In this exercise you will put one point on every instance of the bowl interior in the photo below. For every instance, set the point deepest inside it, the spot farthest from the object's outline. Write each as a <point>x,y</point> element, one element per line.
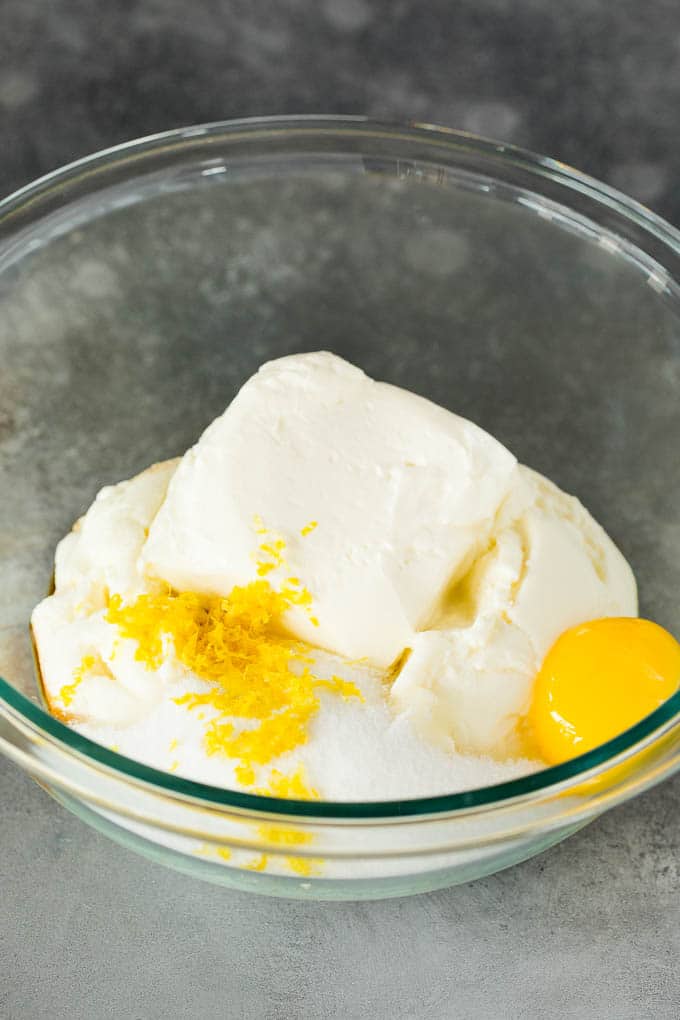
<point>130,316</point>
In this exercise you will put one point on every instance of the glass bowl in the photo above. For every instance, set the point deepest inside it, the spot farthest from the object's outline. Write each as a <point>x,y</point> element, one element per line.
<point>141,286</point>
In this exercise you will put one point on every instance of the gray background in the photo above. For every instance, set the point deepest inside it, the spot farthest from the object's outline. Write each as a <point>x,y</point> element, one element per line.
<point>590,929</point>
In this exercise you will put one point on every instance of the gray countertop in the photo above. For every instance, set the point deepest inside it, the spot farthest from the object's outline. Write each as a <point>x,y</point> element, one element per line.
<point>590,929</point>
<point>594,83</point>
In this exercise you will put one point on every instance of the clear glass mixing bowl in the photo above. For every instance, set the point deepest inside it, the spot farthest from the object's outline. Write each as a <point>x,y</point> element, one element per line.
<point>140,287</point>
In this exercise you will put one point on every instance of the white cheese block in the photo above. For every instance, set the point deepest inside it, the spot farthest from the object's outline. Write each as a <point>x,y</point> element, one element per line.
<point>98,559</point>
<point>404,494</point>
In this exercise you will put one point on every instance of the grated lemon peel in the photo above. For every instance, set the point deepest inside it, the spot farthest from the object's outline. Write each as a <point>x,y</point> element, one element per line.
<point>258,675</point>
<point>292,786</point>
<point>89,665</point>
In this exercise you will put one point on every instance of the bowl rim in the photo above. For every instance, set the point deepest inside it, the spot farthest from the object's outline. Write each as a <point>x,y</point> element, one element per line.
<point>591,765</point>
<point>434,134</point>
<point>620,748</point>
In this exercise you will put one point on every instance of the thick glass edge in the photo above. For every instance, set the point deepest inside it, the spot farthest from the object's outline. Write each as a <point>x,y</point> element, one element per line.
<point>453,140</point>
<point>485,796</point>
<point>447,138</point>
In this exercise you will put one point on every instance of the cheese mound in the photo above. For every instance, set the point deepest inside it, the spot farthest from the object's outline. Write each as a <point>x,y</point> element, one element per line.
<point>548,566</point>
<point>381,496</point>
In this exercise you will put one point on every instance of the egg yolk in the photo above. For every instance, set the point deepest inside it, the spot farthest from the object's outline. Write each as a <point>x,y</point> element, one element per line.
<point>597,680</point>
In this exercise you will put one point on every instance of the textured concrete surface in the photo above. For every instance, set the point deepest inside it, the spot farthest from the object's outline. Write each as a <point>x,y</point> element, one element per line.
<point>592,928</point>
<point>591,82</point>
<point>588,930</point>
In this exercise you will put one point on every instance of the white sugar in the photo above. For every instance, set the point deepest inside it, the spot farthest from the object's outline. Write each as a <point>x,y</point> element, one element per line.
<point>356,751</point>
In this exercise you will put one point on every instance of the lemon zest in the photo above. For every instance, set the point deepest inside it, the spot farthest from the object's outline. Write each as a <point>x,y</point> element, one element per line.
<point>270,553</point>
<point>236,643</point>
<point>210,850</point>
<point>305,866</point>
<point>245,774</point>
<point>345,688</point>
<point>259,864</point>
<point>89,664</point>
<point>293,786</point>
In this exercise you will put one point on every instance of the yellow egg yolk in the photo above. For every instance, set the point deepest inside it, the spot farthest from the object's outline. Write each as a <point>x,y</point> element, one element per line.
<point>597,680</point>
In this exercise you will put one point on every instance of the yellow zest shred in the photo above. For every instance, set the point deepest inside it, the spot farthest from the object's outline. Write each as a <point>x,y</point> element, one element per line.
<point>345,688</point>
<point>88,664</point>
<point>284,836</point>
<point>259,525</point>
<point>291,787</point>
<point>236,643</point>
<point>259,864</point>
<point>68,691</point>
<point>212,850</point>
<point>273,550</point>
<point>295,786</point>
<point>309,528</point>
<point>270,554</point>
<point>289,837</point>
<point>280,785</point>
<point>245,774</point>
<point>305,866</point>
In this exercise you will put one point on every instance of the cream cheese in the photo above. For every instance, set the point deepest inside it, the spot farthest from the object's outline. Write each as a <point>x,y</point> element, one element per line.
<point>97,559</point>
<point>403,492</point>
<point>468,681</point>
